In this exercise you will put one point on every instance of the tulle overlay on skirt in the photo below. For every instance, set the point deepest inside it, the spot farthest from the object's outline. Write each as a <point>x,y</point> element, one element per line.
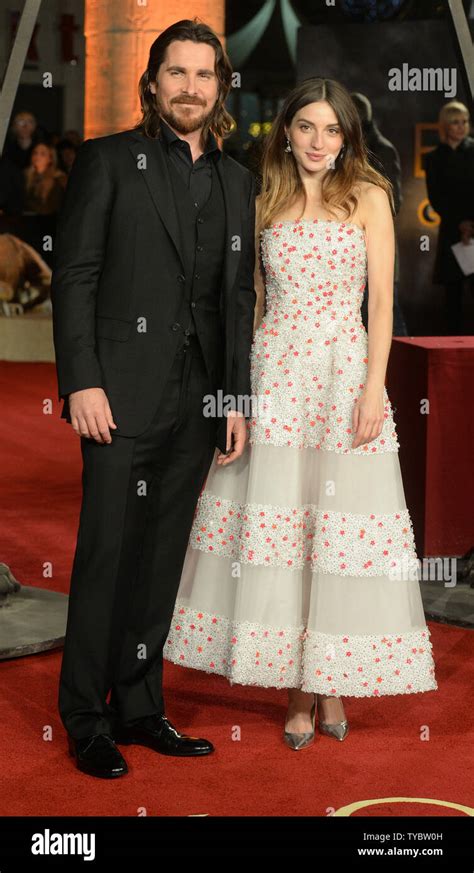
<point>301,569</point>
<point>287,585</point>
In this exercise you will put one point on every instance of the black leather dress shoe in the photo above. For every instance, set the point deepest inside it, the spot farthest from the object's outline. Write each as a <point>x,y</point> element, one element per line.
<point>158,733</point>
<point>98,755</point>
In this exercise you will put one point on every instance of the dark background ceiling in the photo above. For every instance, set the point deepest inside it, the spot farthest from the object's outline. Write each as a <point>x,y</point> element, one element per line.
<point>316,11</point>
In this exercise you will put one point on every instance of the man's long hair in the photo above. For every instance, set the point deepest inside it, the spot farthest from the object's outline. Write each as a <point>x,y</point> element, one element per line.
<point>221,122</point>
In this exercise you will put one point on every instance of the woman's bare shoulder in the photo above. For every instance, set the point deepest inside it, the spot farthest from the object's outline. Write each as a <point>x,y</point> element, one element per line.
<point>371,194</point>
<point>371,199</point>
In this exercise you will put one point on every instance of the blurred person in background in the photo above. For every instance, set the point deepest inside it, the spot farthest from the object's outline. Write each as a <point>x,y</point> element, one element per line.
<point>44,185</point>
<point>22,137</point>
<point>383,156</point>
<point>66,150</point>
<point>44,181</point>
<point>11,195</point>
<point>450,185</point>
<point>73,136</point>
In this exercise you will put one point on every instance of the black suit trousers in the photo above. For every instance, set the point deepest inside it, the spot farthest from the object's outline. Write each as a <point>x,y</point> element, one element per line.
<point>139,498</point>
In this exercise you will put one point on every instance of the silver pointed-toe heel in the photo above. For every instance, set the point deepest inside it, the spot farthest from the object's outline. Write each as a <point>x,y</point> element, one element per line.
<point>338,730</point>
<point>301,741</point>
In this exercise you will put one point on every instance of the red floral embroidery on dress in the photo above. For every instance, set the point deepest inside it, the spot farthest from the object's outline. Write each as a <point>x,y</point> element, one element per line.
<point>352,665</point>
<point>343,543</point>
<point>312,337</point>
<point>313,566</point>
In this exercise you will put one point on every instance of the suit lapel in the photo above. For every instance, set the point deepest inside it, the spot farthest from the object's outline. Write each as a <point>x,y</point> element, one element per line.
<point>158,184</point>
<point>159,187</point>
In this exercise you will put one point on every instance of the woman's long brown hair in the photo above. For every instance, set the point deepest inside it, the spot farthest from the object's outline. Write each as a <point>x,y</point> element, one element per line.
<point>221,122</point>
<point>281,182</point>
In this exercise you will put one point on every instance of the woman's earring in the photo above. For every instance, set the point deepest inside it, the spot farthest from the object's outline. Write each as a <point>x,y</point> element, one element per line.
<point>341,153</point>
<point>288,145</point>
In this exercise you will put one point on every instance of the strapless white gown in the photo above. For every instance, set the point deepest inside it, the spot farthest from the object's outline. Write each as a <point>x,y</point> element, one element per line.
<point>301,568</point>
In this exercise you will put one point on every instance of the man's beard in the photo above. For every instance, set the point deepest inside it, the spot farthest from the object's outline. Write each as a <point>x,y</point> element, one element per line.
<point>180,121</point>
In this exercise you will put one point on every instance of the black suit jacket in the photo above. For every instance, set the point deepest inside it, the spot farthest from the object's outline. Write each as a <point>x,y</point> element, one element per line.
<point>118,278</point>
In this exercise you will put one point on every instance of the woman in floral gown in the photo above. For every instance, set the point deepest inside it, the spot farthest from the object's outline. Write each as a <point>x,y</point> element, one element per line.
<point>301,571</point>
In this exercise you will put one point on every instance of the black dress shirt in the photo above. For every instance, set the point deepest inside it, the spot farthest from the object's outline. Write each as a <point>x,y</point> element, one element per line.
<point>197,175</point>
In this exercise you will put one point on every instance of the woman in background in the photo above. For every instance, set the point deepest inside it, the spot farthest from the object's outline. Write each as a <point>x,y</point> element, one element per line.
<point>450,184</point>
<point>44,182</point>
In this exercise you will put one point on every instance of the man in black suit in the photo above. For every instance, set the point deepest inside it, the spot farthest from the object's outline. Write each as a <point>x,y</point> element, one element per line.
<point>153,304</point>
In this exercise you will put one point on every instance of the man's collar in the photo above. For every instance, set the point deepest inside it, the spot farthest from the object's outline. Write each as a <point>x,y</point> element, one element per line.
<point>169,137</point>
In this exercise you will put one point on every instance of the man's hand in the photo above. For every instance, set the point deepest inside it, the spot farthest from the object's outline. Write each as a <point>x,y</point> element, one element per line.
<point>236,429</point>
<point>91,415</point>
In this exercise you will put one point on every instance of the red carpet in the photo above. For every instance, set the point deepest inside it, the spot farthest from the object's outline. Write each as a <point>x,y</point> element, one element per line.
<point>252,772</point>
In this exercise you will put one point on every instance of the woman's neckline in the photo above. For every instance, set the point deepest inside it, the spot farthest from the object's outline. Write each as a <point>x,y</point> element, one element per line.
<point>297,221</point>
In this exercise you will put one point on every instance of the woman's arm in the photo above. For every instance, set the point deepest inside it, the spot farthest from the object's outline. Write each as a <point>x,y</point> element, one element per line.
<point>378,222</point>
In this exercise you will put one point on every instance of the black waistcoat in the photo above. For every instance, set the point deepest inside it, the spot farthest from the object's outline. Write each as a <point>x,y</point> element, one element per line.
<point>202,233</point>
